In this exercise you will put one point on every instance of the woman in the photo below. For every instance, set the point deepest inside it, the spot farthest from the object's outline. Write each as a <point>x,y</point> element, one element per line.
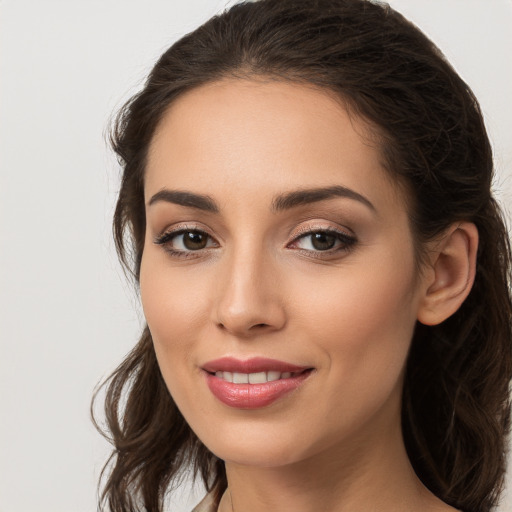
<point>324,272</point>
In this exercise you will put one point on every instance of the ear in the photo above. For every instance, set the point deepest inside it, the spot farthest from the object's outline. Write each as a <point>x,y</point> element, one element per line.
<point>451,274</point>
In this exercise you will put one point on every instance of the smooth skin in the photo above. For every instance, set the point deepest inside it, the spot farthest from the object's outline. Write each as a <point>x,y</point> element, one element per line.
<point>330,284</point>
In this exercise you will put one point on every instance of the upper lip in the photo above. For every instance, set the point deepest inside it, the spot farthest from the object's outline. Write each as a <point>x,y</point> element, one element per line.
<point>253,365</point>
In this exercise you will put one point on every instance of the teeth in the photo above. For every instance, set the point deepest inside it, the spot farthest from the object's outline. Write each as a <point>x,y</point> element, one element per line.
<point>257,378</point>
<point>228,376</point>
<point>240,378</point>
<point>252,378</point>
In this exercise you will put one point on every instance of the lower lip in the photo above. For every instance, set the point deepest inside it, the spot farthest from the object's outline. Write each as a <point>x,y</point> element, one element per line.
<point>253,396</point>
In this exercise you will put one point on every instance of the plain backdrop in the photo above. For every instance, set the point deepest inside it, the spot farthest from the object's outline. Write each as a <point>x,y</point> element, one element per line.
<point>67,316</point>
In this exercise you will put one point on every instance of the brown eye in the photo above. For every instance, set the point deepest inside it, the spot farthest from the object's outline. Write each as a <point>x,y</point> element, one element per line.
<point>328,241</point>
<point>194,240</point>
<point>323,241</point>
<point>185,241</point>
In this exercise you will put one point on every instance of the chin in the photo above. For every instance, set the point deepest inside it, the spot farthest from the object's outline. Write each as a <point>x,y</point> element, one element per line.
<point>258,446</point>
<point>250,454</point>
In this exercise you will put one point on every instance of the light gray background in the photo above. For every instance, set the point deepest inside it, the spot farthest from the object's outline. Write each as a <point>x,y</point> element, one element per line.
<point>66,315</point>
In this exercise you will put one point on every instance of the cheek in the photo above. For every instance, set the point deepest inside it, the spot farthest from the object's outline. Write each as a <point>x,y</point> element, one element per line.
<point>361,324</point>
<point>363,320</point>
<point>174,314</point>
<point>173,311</point>
<point>172,304</point>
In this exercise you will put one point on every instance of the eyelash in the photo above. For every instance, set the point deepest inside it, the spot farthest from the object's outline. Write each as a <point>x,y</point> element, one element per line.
<point>347,241</point>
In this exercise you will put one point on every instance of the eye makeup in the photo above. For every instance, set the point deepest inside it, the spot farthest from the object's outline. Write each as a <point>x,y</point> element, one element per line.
<point>315,241</point>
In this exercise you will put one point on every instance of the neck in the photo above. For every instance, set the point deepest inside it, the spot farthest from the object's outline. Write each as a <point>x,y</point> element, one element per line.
<point>360,476</point>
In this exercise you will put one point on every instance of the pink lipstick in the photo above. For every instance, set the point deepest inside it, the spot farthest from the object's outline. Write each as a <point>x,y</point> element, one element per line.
<point>252,383</point>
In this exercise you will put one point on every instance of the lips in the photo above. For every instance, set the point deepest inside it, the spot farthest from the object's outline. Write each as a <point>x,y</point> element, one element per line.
<point>253,383</point>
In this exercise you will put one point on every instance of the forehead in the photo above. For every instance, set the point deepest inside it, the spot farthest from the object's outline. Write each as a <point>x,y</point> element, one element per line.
<point>263,135</point>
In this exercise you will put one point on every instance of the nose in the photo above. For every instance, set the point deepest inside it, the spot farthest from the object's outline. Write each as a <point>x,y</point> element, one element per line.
<point>249,299</point>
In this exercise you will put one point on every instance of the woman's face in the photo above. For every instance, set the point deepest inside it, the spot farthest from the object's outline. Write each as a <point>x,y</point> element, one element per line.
<point>273,232</point>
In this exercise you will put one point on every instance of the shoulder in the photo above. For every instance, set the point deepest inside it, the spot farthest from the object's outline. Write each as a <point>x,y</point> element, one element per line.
<point>205,505</point>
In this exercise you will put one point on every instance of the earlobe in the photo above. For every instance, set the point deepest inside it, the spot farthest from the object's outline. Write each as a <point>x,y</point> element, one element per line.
<point>452,274</point>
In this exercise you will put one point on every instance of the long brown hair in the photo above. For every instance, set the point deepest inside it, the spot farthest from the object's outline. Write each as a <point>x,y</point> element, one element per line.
<point>456,405</point>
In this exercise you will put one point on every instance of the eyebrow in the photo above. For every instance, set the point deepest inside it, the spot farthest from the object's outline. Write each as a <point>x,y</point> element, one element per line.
<point>313,195</point>
<point>189,199</point>
<point>281,202</point>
